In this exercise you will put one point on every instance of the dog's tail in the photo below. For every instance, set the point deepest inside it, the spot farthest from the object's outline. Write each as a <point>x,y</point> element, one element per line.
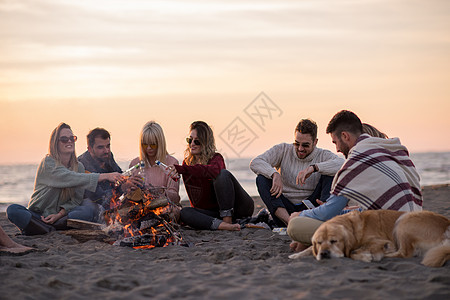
<point>437,256</point>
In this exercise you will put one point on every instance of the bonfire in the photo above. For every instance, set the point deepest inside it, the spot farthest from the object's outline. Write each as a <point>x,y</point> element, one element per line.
<point>143,218</point>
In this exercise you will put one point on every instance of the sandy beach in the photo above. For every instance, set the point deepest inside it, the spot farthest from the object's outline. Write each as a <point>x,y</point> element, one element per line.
<point>250,264</point>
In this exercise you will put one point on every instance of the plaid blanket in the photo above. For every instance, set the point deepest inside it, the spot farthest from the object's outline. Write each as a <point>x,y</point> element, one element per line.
<point>378,174</point>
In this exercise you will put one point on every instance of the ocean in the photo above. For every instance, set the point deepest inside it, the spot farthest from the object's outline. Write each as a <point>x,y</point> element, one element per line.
<point>16,181</point>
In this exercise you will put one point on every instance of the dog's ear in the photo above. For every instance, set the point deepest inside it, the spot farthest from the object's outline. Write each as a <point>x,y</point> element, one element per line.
<point>314,249</point>
<point>319,232</point>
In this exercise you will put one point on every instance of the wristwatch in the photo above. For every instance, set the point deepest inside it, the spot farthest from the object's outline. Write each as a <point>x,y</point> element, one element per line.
<point>315,168</point>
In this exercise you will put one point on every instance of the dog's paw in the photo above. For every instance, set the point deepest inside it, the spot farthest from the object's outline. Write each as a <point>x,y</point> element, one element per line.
<point>306,252</point>
<point>295,256</point>
<point>361,256</point>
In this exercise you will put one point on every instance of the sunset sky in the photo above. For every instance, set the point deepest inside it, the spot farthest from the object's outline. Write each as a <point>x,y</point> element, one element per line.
<point>119,64</point>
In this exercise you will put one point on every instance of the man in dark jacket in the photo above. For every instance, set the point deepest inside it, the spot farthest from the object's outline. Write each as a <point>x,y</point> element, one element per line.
<point>99,159</point>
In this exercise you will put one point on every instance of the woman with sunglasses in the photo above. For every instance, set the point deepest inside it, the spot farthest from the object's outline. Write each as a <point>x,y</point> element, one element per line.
<point>152,146</point>
<point>58,189</point>
<point>217,198</point>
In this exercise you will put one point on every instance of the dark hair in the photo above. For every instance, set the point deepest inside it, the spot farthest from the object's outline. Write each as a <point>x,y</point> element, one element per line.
<point>307,126</point>
<point>345,120</point>
<point>95,133</point>
<point>206,137</point>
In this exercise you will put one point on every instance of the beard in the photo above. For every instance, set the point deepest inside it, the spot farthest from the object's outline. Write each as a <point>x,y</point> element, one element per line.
<point>345,151</point>
<point>103,159</point>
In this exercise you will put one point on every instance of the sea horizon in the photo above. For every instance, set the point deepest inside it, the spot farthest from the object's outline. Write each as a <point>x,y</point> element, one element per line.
<point>17,180</point>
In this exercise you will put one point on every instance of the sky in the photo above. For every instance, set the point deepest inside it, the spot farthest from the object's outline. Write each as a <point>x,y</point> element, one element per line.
<point>250,69</point>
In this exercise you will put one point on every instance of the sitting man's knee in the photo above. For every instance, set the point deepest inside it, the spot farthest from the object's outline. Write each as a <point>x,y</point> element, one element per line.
<point>301,229</point>
<point>261,180</point>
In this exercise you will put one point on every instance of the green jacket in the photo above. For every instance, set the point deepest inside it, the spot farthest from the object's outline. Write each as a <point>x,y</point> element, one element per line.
<point>51,179</point>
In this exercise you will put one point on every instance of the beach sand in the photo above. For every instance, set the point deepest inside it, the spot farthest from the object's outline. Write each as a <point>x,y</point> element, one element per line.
<point>250,264</point>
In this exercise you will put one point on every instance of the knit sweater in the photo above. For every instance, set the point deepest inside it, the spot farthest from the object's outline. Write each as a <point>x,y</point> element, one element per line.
<point>155,176</point>
<point>51,179</point>
<point>198,181</point>
<point>283,158</point>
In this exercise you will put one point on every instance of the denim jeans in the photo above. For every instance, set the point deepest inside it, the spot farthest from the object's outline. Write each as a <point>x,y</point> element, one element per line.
<point>20,216</point>
<point>322,192</point>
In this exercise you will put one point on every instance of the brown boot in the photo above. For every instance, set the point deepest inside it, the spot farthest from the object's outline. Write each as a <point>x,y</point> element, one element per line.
<point>61,224</point>
<point>36,226</point>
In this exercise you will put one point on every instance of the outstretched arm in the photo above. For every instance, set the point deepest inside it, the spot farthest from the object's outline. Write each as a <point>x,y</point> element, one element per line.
<point>328,210</point>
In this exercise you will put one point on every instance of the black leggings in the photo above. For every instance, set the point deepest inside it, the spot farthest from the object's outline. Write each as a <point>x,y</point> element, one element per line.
<point>233,201</point>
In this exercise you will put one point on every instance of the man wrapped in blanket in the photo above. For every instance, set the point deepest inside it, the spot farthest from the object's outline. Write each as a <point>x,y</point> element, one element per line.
<point>377,174</point>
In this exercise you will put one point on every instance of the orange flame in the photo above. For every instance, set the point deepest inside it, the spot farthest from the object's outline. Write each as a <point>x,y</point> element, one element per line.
<point>139,210</point>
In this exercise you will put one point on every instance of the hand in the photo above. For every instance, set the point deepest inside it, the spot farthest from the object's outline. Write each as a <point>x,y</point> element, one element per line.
<point>277,185</point>
<point>351,207</point>
<point>294,215</point>
<point>319,202</point>
<point>50,219</point>
<point>112,177</point>
<point>132,183</point>
<point>172,172</point>
<point>303,175</point>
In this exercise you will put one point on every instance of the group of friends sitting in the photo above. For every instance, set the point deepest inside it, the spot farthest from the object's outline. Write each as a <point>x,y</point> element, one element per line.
<point>377,173</point>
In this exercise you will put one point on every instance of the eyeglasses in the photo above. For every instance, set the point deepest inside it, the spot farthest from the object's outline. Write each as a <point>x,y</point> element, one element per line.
<point>153,146</point>
<point>196,142</point>
<point>66,139</point>
<point>297,144</point>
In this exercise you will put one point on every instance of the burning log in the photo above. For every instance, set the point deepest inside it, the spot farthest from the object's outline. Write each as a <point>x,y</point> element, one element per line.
<point>134,206</point>
<point>142,219</point>
<point>157,203</point>
<point>158,240</point>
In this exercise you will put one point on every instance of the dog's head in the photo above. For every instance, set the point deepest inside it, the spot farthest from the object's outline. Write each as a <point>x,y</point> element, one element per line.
<point>333,239</point>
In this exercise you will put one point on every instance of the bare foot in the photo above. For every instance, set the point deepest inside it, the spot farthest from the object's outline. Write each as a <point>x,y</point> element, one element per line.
<point>228,220</point>
<point>230,227</point>
<point>16,249</point>
<point>297,246</point>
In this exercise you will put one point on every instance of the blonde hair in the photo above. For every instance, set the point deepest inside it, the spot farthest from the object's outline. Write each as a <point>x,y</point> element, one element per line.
<point>372,131</point>
<point>152,133</point>
<point>53,152</point>
<point>206,139</point>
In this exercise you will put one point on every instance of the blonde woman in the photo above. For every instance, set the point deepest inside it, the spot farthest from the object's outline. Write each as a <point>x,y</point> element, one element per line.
<point>372,131</point>
<point>58,188</point>
<point>217,198</point>
<point>152,146</point>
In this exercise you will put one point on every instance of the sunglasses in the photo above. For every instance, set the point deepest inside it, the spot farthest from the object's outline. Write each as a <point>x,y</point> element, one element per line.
<point>153,146</point>
<point>196,142</point>
<point>66,139</point>
<point>297,144</point>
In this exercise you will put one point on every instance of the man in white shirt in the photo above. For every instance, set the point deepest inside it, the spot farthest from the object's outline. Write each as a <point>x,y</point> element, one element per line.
<point>291,173</point>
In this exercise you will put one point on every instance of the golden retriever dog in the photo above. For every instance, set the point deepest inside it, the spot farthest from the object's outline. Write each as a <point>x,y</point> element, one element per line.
<point>374,234</point>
